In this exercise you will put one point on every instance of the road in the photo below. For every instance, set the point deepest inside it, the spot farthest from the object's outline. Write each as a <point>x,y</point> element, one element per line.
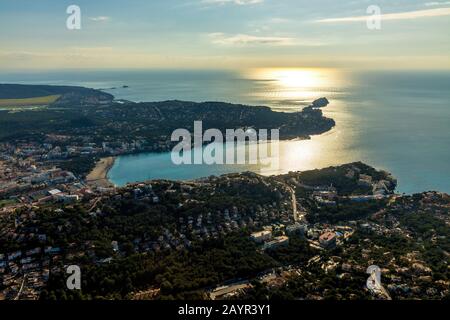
<point>293,199</point>
<point>20,290</point>
<point>294,204</point>
<point>374,284</point>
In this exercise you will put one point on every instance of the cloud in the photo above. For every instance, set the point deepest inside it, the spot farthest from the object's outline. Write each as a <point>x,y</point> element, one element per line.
<point>100,19</point>
<point>279,20</point>
<point>395,16</point>
<point>238,2</point>
<point>245,39</point>
<point>19,55</point>
<point>437,3</point>
<point>252,40</point>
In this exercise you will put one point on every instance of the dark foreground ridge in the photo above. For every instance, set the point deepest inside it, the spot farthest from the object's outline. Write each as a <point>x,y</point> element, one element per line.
<point>305,235</point>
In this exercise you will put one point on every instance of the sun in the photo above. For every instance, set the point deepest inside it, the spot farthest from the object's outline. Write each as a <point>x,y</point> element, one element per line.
<point>293,84</point>
<point>291,78</point>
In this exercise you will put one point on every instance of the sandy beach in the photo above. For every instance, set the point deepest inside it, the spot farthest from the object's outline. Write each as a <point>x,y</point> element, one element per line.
<point>99,175</point>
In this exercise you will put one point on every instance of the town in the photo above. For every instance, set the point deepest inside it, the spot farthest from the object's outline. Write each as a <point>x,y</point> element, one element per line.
<point>59,220</point>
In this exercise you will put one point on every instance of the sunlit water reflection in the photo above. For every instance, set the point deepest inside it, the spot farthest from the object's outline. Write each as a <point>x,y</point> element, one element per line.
<point>394,121</point>
<point>397,121</point>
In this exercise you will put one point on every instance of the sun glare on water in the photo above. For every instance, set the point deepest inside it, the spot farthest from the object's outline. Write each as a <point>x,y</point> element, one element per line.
<point>292,85</point>
<point>296,78</point>
<point>292,89</point>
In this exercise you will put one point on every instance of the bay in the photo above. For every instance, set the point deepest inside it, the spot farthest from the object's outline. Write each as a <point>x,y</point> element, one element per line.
<point>396,121</point>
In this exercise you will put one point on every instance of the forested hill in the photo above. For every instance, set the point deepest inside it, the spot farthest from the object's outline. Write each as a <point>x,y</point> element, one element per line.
<point>20,91</point>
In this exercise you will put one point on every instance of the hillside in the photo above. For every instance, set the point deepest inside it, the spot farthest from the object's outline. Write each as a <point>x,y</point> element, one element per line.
<point>21,91</point>
<point>14,95</point>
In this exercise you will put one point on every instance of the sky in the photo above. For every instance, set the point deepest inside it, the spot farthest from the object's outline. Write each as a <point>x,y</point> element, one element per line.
<point>224,34</point>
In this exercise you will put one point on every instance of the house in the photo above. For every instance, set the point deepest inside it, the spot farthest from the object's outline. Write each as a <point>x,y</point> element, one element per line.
<point>67,198</point>
<point>54,251</point>
<point>260,237</point>
<point>115,246</point>
<point>366,198</point>
<point>14,255</point>
<point>105,261</point>
<point>326,195</point>
<point>33,252</point>
<point>276,243</point>
<point>325,202</point>
<point>26,260</point>
<point>297,228</point>
<point>328,240</point>
<point>54,192</point>
<point>365,180</point>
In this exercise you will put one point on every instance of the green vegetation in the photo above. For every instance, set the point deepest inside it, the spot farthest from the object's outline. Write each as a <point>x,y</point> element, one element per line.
<point>92,113</point>
<point>338,177</point>
<point>179,274</point>
<point>79,165</point>
<point>36,101</point>
<point>7,202</point>
<point>345,211</point>
<point>407,238</point>
<point>21,91</point>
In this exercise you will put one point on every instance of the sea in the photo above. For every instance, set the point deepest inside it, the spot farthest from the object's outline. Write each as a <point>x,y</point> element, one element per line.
<point>397,121</point>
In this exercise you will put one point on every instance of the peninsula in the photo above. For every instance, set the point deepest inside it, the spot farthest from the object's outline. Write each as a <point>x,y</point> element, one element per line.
<point>82,125</point>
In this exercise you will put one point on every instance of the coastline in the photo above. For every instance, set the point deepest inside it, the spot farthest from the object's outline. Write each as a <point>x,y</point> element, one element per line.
<point>98,177</point>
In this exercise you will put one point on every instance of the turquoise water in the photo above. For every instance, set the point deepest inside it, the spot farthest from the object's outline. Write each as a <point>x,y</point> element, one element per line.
<point>397,121</point>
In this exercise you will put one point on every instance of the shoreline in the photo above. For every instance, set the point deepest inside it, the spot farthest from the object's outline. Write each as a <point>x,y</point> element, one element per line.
<point>98,177</point>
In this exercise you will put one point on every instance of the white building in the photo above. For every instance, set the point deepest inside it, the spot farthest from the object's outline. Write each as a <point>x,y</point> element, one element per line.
<point>276,243</point>
<point>297,228</point>
<point>328,240</point>
<point>261,236</point>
